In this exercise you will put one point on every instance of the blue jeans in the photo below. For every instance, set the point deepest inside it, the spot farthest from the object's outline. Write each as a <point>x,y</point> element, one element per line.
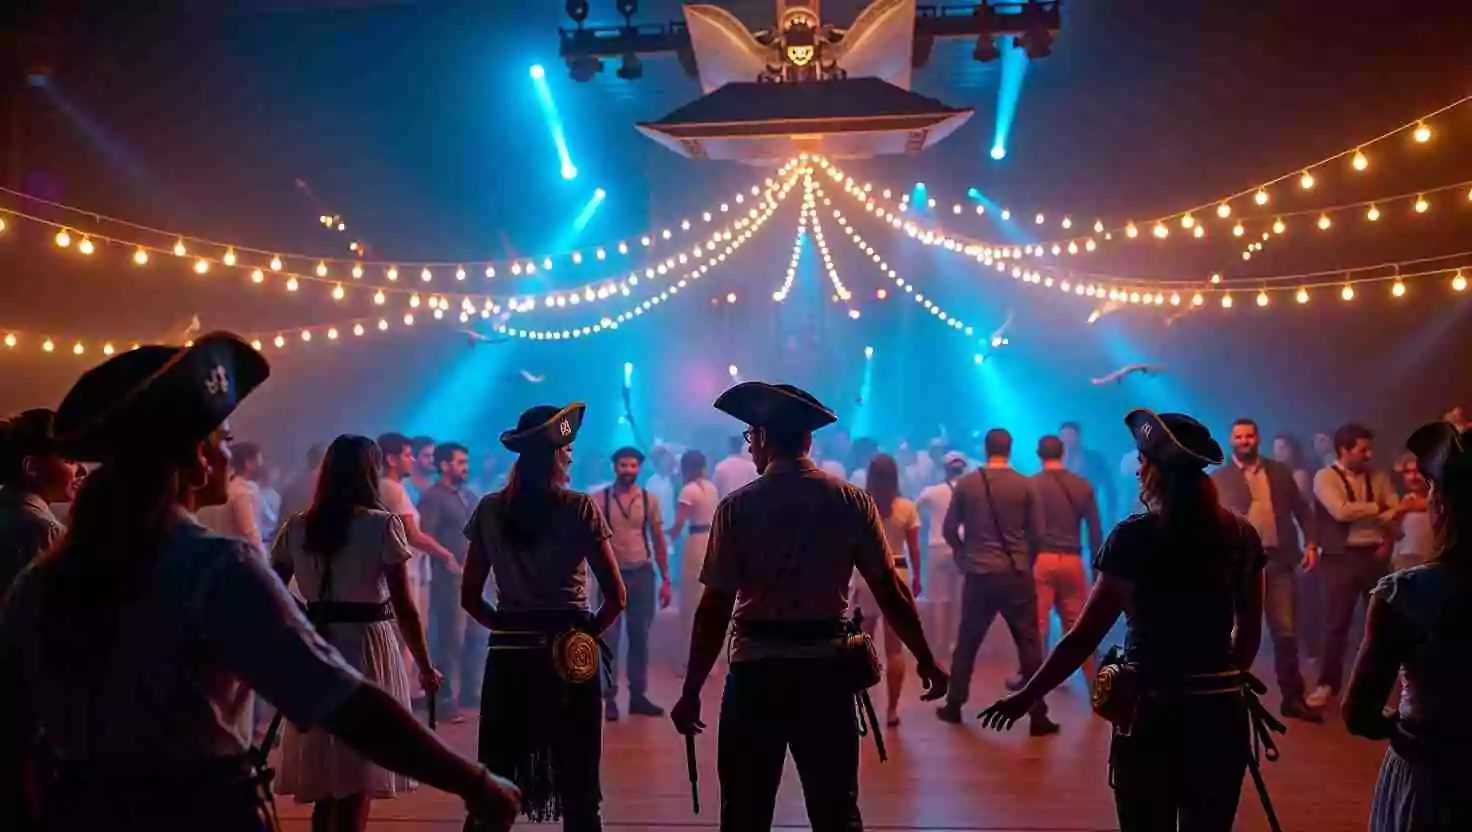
<point>637,618</point>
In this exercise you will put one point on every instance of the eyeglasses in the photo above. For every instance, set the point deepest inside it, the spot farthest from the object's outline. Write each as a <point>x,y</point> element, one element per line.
<point>746,436</point>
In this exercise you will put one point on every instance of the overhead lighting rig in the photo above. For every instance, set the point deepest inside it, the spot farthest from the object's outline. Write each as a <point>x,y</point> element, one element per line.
<point>583,48</point>
<point>1031,24</point>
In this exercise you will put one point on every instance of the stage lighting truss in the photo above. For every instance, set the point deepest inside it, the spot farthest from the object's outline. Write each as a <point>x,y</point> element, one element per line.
<point>1031,24</point>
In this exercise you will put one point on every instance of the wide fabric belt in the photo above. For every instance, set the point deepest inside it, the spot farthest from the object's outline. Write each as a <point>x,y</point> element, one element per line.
<point>796,631</point>
<point>349,612</point>
<point>1197,684</point>
<point>700,529</point>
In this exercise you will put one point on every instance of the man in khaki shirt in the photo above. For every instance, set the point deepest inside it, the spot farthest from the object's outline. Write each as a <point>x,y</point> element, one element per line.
<point>782,551</point>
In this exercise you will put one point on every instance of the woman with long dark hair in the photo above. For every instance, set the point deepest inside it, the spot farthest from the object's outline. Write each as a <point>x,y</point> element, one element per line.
<point>541,702</point>
<point>132,648</point>
<point>350,559</point>
<point>1288,450</point>
<point>1187,574</point>
<point>1417,628</point>
<point>901,528</point>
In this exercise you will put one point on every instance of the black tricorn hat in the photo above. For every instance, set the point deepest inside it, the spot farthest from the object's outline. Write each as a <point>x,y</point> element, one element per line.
<point>778,406</point>
<point>627,451</point>
<point>1173,439</point>
<point>157,397</point>
<point>1441,451</point>
<point>545,426</point>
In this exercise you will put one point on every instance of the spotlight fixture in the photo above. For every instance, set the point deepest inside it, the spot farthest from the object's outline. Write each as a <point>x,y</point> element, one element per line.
<point>631,68</point>
<point>577,10</point>
<point>986,49</point>
<point>583,67</point>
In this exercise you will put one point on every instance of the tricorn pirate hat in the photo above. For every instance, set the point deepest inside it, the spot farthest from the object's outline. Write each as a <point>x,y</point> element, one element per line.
<point>545,426</point>
<point>157,397</point>
<point>1173,439</point>
<point>778,406</point>
<point>1441,451</point>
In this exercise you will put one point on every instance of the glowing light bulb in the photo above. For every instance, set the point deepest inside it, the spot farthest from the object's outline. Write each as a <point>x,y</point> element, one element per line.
<point>1360,161</point>
<point>291,284</point>
<point>1197,299</point>
<point>280,341</point>
<point>229,257</point>
<point>78,349</point>
<point>490,271</point>
<point>382,325</point>
<point>337,292</point>
<point>378,297</point>
<point>1006,214</point>
<point>1187,221</point>
<point>392,273</point>
<point>1373,214</point>
<point>1348,292</point>
<point>358,329</point>
<point>257,276</point>
<point>11,340</point>
<point>1422,205</point>
<point>1279,226</point>
<point>275,264</point>
<point>357,271</point>
<point>414,301</point>
<point>1224,210</point>
<point>1227,300</point>
<point>1261,197</point>
<point>1302,296</point>
<point>1306,181</point>
<point>107,348</point>
<point>48,346</point>
<point>321,269</point>
<point>63,239</point>
<point>425,275</point>
<point>731,297</point>
<point>332,333</point>
<point>1238,230</point>
<point>1262,298</point>
<point>460,273</point>
<point>1423,132</point>
<point>201,266</point>
<point>1067,223</point>
<point>1324,222</point>
<point>408,319</point>
<point>1160,231</point>
<point>1090,245</point>
<point>306,335</point>
<point>1198,232</point>
<point>1398,289</point>
<point>1459,283</point>
<point>179,250</point>
<point>86,246</point>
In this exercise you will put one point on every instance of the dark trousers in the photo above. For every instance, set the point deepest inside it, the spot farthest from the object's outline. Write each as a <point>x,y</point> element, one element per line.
<point>983,597</point>
<point>770,706</point>
<point>545,735</point>
<point>1280,603</point>
<point>1348,578</point>
<point>456,642</point>
<point>637,618</point>
<point>1182,765</point>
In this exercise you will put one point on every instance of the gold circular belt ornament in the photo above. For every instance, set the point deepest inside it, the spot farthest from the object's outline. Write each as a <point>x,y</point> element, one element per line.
<point>575,656</point>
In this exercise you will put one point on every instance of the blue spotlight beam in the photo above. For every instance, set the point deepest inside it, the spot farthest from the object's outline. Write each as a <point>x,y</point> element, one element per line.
<point>554,121</point>
<point>589,209</point>
<point>1009,91</point>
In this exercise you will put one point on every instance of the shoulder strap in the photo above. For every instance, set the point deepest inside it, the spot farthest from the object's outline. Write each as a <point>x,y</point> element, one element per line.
<point>992,509</point>
<point>1348,489</point>
<point>644,528</point>
<point>1063,486</point>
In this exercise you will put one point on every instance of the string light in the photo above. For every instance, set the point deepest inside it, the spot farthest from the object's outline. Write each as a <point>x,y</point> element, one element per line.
<point>1226,300</point>
<point>179,249</point>
<point>1347,293</point>
<point>275,264</point>
<point>1223,210</point>
<point>63,238</point>
<point>1279,226</point>
<point>48,345</point>
<point>1324,222</point>
<point>1306,181</point>
<point>1261,197</point>
<point>291,284</point>
<point>1302,296</point>
<point>1459,283</point>
<point>337,292</point>
<point>1373,214</point>
<point>86,246</point>
<point>1422,205</point>
<point>1398,289</point>
<point>357,272</point>
<point>1423,132</point>
<point>1262,298</point>
<point>201,266</point>
<point>1360,161</point>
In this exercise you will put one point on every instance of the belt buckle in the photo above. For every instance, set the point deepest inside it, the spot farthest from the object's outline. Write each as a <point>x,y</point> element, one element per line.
<point>575,656</point>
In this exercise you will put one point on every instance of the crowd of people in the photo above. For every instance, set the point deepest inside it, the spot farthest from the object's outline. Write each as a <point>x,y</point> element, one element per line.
<point>170,608</point>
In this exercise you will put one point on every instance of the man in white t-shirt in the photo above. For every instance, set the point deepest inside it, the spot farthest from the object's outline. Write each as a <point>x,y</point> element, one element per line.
<point>942,579</point>
<point>398,464</point>
<point>735,470</point>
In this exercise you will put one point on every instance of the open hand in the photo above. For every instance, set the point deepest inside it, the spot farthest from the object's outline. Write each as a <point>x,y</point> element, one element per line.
<point>935,681</point>
<point>1005,712</point>
<point>665,594</point>
<point>686,715</point>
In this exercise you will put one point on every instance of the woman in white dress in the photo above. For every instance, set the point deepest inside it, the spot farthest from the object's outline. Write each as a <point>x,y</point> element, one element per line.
<point>901,528</point>
<point>697,507</point>
<point>350,559</point>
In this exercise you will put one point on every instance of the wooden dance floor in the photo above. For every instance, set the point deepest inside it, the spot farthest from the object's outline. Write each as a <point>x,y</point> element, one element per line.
<point>939,777</point>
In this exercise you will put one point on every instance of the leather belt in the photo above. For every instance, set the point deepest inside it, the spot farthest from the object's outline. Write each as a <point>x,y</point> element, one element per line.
<point>349,612</point>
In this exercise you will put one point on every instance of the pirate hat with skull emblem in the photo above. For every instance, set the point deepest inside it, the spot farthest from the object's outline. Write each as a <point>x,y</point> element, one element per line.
<point>157,398</point>
<point>545,426</point>
<point>1173,439</point>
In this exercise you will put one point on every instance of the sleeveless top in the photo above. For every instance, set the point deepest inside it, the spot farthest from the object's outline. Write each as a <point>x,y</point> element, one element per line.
<point>1436,600</point>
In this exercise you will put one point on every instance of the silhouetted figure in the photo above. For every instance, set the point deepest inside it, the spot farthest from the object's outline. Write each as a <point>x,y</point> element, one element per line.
<point>540,724</point>
<point>1418,627</point>
<point>782,552</point>
<point>1187,575</point>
